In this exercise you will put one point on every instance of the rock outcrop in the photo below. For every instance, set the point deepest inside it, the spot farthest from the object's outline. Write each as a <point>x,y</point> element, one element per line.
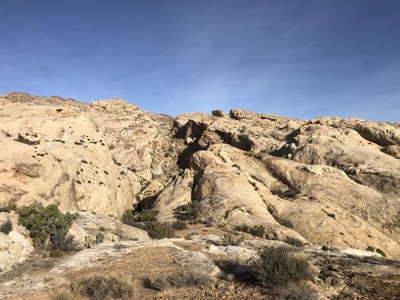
<point>16,245</point>
<point>100,157</point>
<point>326,181</point>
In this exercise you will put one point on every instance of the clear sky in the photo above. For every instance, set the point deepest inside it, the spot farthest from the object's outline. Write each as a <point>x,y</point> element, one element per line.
<point>298,58</point>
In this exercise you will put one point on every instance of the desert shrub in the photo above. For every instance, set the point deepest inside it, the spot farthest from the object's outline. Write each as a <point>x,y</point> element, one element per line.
<point>190,279</point>
<point>99,238</point>
<point>45,224</point>
<point>8,207</point>
<point>66,243</point>
<point>159,283</point>
<point>62,295</point>
<point>258,230</point>
<point>181,280</point>
<point>279,266</point>
<point>102,287</point>
<point>187,212</point>
<point>294,242</point>
<point>179,225</point>
<point>243,228</point>
<point>128,217</point>
<point>6,227</point>
<point>158,230</point>
<point>231,240</point>
<point>283,222</point>
<point>56,253</point>
<point>145,215</point>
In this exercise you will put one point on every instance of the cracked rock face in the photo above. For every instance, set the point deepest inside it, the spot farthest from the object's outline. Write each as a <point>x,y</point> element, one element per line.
<point>330,180</point>
<point>326,181</point>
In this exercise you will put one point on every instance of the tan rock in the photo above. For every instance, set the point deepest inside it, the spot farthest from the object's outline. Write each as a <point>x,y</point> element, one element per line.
<point>16,246</point>
<point>175,194</point>
<point>94,157</point>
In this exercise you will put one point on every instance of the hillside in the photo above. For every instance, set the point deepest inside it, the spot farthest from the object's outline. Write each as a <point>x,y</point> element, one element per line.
<point>326,181</point>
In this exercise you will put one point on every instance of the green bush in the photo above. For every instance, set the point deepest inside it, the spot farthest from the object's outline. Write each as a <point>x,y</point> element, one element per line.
<point>158,230</point>
<point>187,212</point>
<point>145,215</point>
<point>102,287</point>
<point>6,227</point>
<point>99,238</point>
<point>294,242</point>
<point>279,266</point>
<point>243,228</point>
<point>179,225</point>
<point>56,253</point>
<point>45,224</point>
<point>258,230</point>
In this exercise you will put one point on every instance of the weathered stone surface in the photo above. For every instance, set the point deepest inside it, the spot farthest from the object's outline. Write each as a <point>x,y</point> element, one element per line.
<point>175,194</point>
<point>327,181</point>
<point>96,157</point>
<point>87,225</point>
<point>16,246</point>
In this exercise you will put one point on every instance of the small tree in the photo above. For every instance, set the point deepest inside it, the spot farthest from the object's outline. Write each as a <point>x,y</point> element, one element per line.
<point>45,224</point>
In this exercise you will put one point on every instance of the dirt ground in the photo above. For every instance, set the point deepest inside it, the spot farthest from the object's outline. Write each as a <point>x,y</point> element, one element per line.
<point>340,277</point>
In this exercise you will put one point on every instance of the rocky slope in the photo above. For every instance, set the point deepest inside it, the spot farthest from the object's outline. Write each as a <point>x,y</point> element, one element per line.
<point>101,157</point>
<point>327,180</point>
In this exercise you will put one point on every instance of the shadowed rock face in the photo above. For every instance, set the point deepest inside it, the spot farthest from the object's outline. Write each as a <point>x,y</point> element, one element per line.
<point>328,180</point>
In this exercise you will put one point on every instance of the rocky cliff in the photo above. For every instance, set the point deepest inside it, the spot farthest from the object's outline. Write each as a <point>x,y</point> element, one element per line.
<point>326,181</point>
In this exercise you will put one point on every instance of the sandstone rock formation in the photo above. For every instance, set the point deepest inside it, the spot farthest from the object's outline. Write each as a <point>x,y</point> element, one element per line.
<point>326,181</point>
<point>100,157</point>
<point>15,246</point>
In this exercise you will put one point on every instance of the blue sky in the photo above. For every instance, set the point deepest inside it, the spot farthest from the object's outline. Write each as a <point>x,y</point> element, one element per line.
<point>290,57</point>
